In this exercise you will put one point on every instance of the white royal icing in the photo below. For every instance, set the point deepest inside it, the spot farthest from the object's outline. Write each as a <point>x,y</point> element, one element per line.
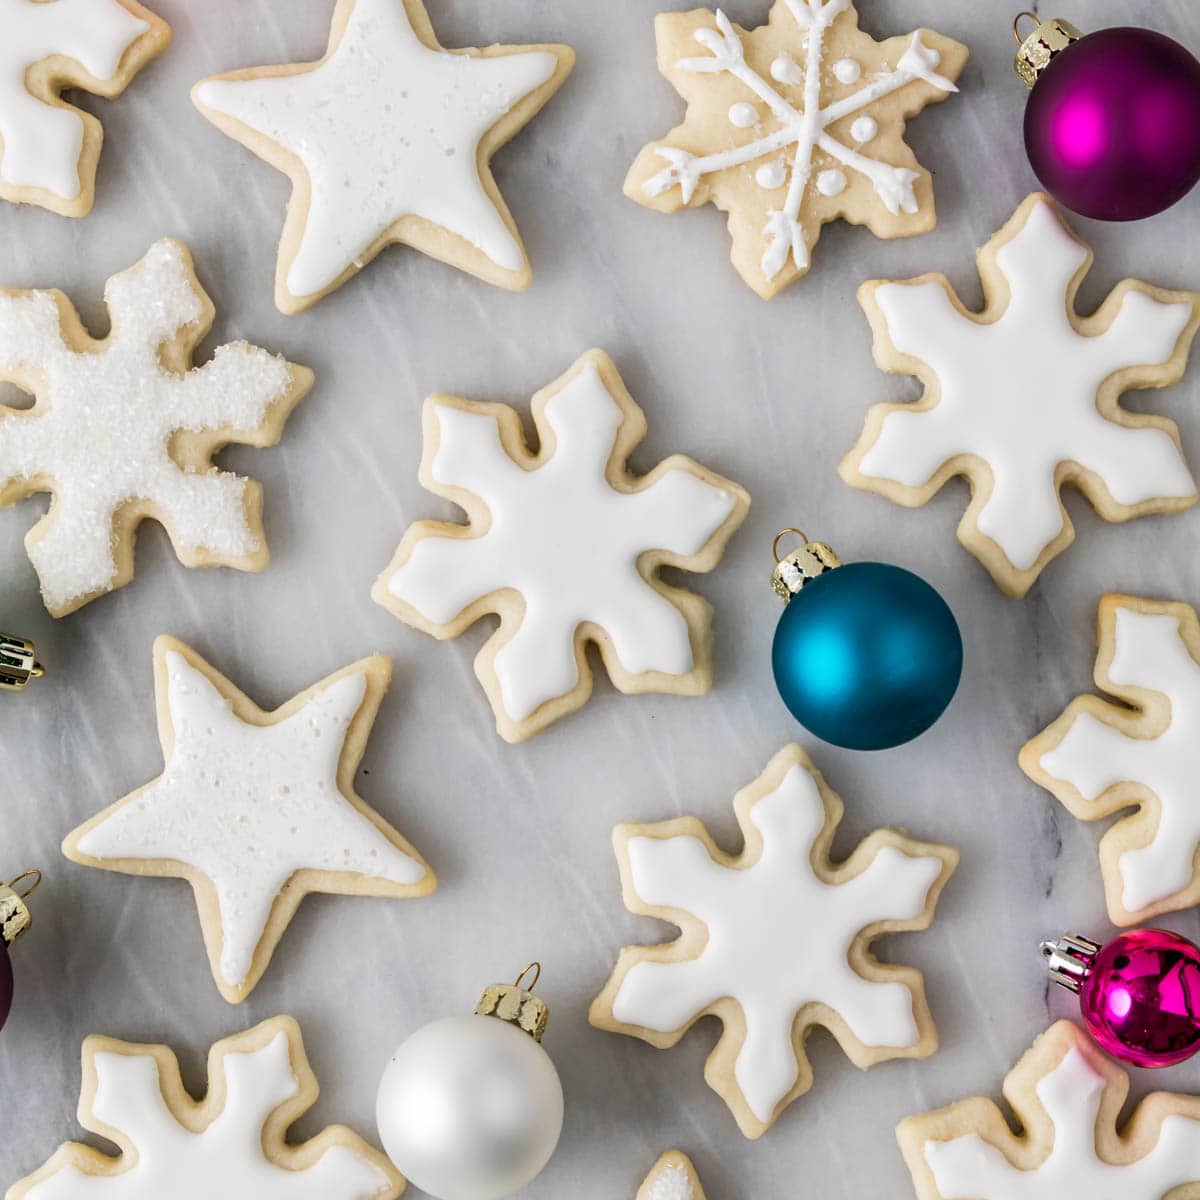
<point>1094,756</point>
<point>1020,392</point>
<point>801,129</point>
<point>566,540</point>
<point>42,142</point>
<point>226,1158</point>
<point>778,938</point>
<point>743,115</point>
<point>771,175</point>
<point>248,806</point>
<point>101,432</point>
<point>863,129</point>
<point>831,183</point>
<point>386,127</point>
<point>847,70</point>
<point>969,1168</point>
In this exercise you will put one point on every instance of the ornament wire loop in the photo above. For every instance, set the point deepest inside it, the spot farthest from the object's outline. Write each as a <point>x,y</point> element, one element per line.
<point>781,535</point>
<point>34,877</point>
<point>1016,25</point>
<point>536,968</point>
<point>38,671</point>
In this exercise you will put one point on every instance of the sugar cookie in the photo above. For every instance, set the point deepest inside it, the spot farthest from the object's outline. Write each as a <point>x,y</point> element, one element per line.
<point>672,1178</point>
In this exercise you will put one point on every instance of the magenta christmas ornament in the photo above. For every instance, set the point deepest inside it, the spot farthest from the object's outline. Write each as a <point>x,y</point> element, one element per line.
<point>1112,127</point>
<point>15,918</point>
<point>1139,995</point>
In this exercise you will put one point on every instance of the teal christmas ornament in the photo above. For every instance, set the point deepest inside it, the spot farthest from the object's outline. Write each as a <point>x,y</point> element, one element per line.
<point>866,655</point>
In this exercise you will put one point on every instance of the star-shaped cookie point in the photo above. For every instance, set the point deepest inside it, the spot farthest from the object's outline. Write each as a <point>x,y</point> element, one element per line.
<point>255,809</point>
<point>388,139</point>
<point>775,940</point>
<point>565,545</point>
<point>1023,398</point>
<point>671,1178</point>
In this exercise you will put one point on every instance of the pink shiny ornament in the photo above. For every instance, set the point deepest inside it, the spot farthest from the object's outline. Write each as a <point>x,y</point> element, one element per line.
<point>1112,128</point>
<point>1139,994</point>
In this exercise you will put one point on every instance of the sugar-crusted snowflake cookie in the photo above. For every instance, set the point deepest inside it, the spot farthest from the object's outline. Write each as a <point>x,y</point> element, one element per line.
<point>126,428</point>
<point>231,1144</point>
<point>1024,397</point>
<point>774,940</point>
<point>672,1178</point>
<point>565,545</point>
<point>1067,1098</point>
<point>791,125</point>
<point>49,148</point>
<point>255,810</point>
<point>388,138</point>
<point>1142,752</point>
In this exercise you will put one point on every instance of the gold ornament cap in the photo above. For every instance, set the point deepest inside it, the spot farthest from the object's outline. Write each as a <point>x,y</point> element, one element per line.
<point>793,571</point>
<point>513,1003</point>
<point>1041,47</point>
<point>18,663</point>
<point>15,917</point>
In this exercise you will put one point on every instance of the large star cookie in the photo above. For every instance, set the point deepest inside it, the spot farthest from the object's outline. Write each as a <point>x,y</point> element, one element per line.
<point>791,125</point>
<point>388,139</point>
<point>255,809</point>
<point>1067,1098</point>
<point>232,1144</point>
<point>49,148</point>
<point>775,940</point>
<point>126,428</point>
<point>1024,397</point>
<point>565,545</point>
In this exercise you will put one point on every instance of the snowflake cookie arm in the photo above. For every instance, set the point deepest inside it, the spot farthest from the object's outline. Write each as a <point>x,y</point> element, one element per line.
<point>740,916</point>
<point>49,148</point>
<point>1067,1098</point>
<point>1022,398</point>
<point>233,1142</point>
<point>673,1177</point>
<point>1101,757</point>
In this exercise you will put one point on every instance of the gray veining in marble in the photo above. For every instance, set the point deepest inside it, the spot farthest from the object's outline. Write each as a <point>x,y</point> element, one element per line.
<point>769,394</point>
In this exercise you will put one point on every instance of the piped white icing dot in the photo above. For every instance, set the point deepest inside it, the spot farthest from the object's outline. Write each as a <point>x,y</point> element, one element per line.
<point>743,115</point>
<point>847,70</point>
<point>785,69</point>
<point>831,182</point>
<point>864,129</point>
<point>771,175</point>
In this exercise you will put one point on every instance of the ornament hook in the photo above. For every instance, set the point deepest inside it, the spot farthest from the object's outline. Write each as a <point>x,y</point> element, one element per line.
<point>536,968</point>
<point>1016,25</point>
<point>34,878</point>
<point>781,535</point>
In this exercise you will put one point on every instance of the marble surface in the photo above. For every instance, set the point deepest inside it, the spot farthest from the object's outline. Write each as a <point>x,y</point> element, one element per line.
<point>771,395</point>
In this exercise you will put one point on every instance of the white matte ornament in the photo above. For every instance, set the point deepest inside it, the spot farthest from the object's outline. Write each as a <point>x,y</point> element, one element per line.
<point>470,1108</point>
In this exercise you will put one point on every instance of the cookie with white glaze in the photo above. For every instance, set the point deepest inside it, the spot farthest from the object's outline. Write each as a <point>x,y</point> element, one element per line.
<point>565,544</point>
<point>233,1143</point>
<point>49,149</point>
<point>388,139</point>
<point>255,809</point>
<point>791,125</point>
<point>775,940</point>
<point>1067,1098</point>
<point>1023,398</point>
<point>672,1178</point>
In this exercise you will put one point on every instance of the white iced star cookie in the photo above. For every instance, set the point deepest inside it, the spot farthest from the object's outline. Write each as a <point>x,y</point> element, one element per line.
<point>1024,397</point>
<point>232,1144</point>
<point>791,125</point>
<point>565,545</point>
<point>49,148</point>
<point>1067,1098</point>
<point>774,941</point>
<point>255,810</point>
<point>388,139</point>
<point>1141,752</point>
<point>125,429</point>
<point>672,1178</point>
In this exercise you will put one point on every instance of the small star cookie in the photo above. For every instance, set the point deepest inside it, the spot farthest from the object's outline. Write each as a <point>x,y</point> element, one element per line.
<point>255,810</point>
<point>388,139</point>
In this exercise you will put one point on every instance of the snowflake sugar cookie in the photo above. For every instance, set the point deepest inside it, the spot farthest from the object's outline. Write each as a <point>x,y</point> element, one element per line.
<point>774,940</point>
<point>672,1178</point>
<point>565,546</point>
<point>255,810</point>
<point>1023,397</point>
<point>791,125</point>
<point>388,139</point>
<point>1099,757</point>
<point>232,1144</point>
<point>48,148</point>
<point>126,428</point>
<point>1068,1098</point>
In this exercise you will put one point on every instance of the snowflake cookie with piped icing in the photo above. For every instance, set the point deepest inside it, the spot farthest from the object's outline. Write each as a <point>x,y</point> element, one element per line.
<point>791,125</point>
<point>388,139</point>
<point>231,1144</point>
<point>48,148</point>
<point>1141,752</point>
<point>672,1178</point>
<point>254,809</point>
<point>564,545</point>
<point>775,940</point>
<point>1067,1098</point>
<point>1024,397</point>
<point>126,428</point>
